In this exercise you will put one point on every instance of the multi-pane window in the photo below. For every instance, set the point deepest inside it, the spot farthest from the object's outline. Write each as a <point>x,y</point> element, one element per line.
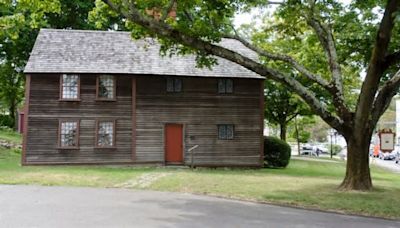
<point>69,133</point>
<point>225,85</point>
<point>225,131</point>
<point>70,87</point>
<point>106,87</point>
<point>105,134</point>
<point>174,85</point>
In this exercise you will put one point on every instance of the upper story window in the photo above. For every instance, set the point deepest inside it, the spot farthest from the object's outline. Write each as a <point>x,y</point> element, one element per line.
<point>174,85</point>
<point>225,85</point>
<point>68,134</point>
<point>226,131</point>
<point>106,87</point>
<point>70,86</point>
<point>105,135</point>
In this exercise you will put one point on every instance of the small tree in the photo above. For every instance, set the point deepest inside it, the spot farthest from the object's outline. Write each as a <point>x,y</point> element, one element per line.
<point>282,106</point>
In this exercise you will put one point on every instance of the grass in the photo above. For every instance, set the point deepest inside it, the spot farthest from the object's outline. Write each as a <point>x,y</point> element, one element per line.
<point>10,135</point>
<point>310,184</point>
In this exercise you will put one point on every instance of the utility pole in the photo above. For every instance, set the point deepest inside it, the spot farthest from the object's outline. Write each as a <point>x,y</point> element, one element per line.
<point>297,135</point>
<point>331,147</point>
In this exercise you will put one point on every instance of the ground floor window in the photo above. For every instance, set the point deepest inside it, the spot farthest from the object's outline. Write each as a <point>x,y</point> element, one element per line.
<point>68,133</point>
<point>105,133</point>
<point>226,131</point>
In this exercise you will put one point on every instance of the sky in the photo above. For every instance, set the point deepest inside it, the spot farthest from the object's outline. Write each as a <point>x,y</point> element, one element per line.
<point>246,18</point>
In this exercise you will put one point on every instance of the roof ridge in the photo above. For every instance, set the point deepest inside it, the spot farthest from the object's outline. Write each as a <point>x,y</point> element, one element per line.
<point>83,31</point>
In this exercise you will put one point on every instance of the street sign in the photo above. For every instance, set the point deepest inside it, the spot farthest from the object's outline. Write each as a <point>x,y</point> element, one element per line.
<point>387,140</point>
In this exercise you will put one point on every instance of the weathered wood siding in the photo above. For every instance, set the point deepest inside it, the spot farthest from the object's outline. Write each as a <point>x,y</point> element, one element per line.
<point>45,110</point>
<point>200,108</point>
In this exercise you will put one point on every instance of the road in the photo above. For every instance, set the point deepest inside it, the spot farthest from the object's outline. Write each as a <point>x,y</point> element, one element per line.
<point>34,206</point>
<point>387,164</point>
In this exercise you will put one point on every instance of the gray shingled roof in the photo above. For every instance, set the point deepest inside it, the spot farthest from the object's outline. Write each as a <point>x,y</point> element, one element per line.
<point>82,51</point>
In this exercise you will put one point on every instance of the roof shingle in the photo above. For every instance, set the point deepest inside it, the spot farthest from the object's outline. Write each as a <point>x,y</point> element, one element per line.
<point>83,51</point>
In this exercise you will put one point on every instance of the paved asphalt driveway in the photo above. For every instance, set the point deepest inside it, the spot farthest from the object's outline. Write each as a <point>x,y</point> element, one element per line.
<point>34,206</point>
<point>387,164</point>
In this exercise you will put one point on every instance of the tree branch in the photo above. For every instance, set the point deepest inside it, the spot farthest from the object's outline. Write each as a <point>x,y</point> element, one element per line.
<point>325,37</point>
<point>376,65</point>
<point>284,58</point>
<point>391,59</point>
<point>167,10</point>
<point>166,31</point>
<point>385,95</point>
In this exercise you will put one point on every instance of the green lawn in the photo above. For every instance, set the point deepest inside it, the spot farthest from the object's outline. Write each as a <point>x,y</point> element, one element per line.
<point>309,184</point>
<point>11,136</point>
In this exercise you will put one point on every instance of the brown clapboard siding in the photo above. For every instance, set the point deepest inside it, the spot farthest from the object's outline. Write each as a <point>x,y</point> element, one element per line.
<point>200,108</point>
<point>45,111</point>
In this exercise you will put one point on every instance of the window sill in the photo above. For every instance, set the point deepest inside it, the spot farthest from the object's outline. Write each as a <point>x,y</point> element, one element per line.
<point>106,147</point>
<point>67,148</point>
<point>70,100</point>
<point>106,100</point>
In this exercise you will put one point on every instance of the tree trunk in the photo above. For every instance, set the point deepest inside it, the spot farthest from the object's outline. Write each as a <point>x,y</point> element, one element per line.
<point>12,113</point>
<point>283,131</point>
<point>297,135</point>
<point>357,173</point>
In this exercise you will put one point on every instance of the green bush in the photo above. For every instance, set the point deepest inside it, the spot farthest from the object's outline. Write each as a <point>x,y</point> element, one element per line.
<point>5,120</point>
<point>276,152</point>
<point>335,149</point>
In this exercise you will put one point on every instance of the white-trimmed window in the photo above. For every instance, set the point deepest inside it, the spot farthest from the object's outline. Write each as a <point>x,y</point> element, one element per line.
<point>105,133</point>
<point>225,85</point>
<point>70,87</point>
<point>106,87</point>
<point>68,134</point>
<point>226,131</point>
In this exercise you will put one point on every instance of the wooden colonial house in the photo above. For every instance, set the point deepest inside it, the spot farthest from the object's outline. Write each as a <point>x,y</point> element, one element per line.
<point>96,97</point>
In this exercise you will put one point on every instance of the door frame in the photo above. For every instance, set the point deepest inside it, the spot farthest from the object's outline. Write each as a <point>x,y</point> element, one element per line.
<point>165,143</point>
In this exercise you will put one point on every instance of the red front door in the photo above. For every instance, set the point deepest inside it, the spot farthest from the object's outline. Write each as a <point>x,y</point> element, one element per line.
<point>173,143</point>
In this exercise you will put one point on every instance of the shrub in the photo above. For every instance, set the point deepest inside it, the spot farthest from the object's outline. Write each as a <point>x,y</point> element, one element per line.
<point>6,120</point>
<point>276,152</point>
<point>335,149</point>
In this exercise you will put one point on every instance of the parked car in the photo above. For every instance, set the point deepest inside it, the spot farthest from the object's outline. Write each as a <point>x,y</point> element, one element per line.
<point>321,150</point>
<point>371,150</point>
<point>387,155</point>
<point>343,153</point>
<point>308,150</point>
<point>397,157</point>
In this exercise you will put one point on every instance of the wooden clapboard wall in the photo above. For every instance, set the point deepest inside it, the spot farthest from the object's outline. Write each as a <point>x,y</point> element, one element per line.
<point>200,108</point>
<point>45,110</point>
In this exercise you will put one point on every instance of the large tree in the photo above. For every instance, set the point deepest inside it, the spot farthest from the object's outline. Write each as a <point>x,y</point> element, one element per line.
<point>20,22</point>
<point>365,30</point>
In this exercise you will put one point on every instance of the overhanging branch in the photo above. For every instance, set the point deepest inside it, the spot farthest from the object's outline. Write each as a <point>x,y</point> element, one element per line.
<point>284,58</point>
<point>166,31</point>
<point>325,37</point>
<point>168,9</point>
